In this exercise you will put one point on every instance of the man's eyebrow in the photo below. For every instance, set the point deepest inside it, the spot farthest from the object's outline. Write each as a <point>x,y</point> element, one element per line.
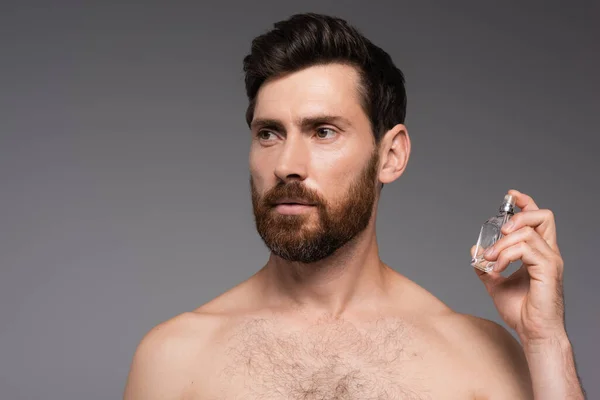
<point>310,122</point>
<point>305,123</point>
<point>258,123</point>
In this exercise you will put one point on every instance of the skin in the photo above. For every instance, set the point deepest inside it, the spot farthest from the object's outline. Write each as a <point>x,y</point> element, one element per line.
<point>349,326</point>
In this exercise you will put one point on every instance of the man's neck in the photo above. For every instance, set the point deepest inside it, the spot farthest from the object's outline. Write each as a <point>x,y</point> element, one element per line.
<point>354,275</point>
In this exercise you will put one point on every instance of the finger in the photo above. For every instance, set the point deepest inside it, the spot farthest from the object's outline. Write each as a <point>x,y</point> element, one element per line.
<point>531,258</point>
<point>541,220</point>
<point>523,201</point>
<point>525,234</point>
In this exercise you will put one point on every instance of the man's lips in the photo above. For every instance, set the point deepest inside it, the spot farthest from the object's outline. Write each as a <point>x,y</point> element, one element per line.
<point>290,207</point>
<point>293,202</point>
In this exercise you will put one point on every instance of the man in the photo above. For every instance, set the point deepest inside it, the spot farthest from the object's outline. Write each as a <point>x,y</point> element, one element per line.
<point>325,318</point>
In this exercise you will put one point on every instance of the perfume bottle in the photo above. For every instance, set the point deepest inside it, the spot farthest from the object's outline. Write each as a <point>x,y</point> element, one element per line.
<point>490,233</point>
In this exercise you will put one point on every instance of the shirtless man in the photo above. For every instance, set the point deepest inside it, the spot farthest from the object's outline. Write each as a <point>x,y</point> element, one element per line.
<point>325,318</point>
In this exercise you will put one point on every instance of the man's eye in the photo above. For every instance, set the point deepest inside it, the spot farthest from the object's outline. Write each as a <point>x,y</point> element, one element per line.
<point>322,132</point>
<point>264,135</point>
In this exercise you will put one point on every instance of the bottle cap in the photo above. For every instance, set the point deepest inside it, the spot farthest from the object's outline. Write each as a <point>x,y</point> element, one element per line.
<point>510,199</point>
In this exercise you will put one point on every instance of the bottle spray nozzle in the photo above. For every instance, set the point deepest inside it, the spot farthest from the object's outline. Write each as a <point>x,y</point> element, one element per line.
<point>510,199</point>
<point>508,205</point>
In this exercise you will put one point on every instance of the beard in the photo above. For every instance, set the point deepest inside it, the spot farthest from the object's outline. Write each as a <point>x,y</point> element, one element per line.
<point>295,237</point>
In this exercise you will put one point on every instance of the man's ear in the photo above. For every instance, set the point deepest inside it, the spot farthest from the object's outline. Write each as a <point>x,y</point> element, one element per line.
<point>394,153</point>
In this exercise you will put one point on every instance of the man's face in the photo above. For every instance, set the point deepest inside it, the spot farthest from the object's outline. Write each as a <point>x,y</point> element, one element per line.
<point>313,163</point>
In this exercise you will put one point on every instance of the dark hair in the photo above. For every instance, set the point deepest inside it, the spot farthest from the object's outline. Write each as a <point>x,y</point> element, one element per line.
<point>304,40</point>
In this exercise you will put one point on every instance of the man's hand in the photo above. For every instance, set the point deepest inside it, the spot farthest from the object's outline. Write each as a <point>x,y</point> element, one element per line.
<point>531,299</point>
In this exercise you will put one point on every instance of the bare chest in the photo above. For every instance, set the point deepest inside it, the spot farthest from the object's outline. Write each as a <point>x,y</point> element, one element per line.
<point>383,360</point>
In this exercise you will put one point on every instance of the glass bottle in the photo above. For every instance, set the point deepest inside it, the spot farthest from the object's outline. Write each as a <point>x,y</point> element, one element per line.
<point>490,234</point>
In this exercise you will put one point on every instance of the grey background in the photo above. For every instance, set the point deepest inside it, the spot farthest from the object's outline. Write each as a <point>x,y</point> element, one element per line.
<point>123,165</point>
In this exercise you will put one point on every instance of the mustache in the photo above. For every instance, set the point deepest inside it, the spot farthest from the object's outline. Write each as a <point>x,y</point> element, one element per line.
<point>294,190</point>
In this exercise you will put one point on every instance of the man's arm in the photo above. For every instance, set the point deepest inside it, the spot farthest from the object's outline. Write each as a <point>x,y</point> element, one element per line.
<point>553,372</point>
<point>531,299</point>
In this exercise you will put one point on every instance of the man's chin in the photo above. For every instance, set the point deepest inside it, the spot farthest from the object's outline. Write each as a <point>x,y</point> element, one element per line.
<point>285,245</point>
<point>294,222</point>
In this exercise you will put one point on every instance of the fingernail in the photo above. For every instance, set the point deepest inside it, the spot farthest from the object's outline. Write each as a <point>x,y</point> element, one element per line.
<point>509,225</point>
<point>489,252</point>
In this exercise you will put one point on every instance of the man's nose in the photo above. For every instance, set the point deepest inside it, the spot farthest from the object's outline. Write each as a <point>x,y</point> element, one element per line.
<point>293,159</point>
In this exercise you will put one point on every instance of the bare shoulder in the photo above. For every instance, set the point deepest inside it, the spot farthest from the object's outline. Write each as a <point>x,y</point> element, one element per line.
<point>190,330</point>
<point>482,346</point>
<point>492,352</point>
<point>173,355</point>
<point>168,352</point>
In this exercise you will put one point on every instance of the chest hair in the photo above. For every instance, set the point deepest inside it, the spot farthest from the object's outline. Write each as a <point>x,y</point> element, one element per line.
<point>328,360</point>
